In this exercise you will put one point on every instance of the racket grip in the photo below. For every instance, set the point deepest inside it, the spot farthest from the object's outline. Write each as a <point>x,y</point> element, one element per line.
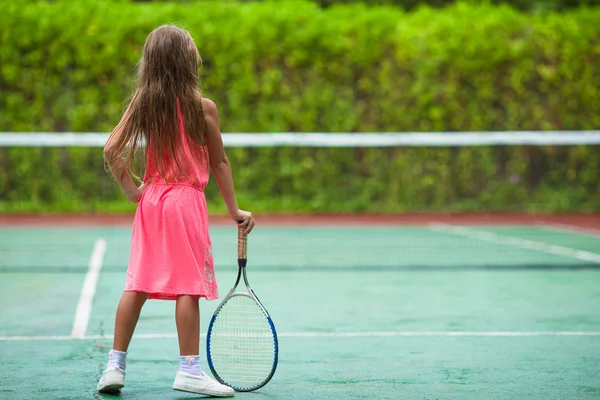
<point>242,243</point>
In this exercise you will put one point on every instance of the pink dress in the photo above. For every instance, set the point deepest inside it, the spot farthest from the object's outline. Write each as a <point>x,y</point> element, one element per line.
<point>171,252</point>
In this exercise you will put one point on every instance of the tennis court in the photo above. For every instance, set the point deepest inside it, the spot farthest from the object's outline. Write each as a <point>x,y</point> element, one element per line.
<point>382,309</point>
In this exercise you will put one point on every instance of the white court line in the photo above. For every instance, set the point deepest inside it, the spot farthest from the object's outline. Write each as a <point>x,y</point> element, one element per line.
<point>84,306</point>
<point>516,242</point>
<point>569,228</point>
<point>328,334</point>
<point>448,333</point>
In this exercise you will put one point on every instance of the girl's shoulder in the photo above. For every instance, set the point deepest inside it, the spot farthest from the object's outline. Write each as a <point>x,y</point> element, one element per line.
<point>208,105</point>
<point>209,108</point>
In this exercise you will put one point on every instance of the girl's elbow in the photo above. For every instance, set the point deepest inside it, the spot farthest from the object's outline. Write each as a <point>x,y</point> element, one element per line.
<point>110,153</point>
<point>220,165</point>
<point>111,160</point>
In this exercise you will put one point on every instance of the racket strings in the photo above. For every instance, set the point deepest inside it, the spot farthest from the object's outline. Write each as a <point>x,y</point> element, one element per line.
<point>242,345</point>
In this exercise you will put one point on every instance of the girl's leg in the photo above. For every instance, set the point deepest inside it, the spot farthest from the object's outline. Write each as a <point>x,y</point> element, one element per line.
<point>128,314</point>
<point>187,318</point>
<point>190,377</point>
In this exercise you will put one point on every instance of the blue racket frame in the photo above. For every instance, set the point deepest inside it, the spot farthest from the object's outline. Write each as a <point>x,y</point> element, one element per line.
<point>242,261</point>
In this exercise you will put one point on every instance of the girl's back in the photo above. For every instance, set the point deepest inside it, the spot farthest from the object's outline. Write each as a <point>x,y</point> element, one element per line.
<point>191,165</point>
<point>166,113</point>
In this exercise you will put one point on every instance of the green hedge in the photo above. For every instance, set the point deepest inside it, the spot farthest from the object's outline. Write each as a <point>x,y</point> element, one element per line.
<point>525,5</point>
<point>68,66</point>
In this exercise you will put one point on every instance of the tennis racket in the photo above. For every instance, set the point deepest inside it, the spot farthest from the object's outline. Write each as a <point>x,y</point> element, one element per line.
<point>241,344</point>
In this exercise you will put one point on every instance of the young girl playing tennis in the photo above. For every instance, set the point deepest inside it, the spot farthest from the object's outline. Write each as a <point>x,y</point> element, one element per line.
<point>171,256</point>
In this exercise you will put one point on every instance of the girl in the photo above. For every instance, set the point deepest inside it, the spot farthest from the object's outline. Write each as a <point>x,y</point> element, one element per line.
<point>171,255</point>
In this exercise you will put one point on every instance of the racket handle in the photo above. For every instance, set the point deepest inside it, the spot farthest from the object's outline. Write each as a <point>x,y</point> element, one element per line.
<point>242,243</point>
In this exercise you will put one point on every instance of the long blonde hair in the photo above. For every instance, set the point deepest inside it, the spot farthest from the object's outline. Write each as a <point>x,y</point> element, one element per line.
<point>167,74</point>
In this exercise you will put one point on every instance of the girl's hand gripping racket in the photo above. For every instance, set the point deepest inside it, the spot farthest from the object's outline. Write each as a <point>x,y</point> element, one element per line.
<point>241,345</point>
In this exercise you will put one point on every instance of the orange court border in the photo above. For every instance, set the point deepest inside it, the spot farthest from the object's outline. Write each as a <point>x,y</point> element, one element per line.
<point>583,221</point>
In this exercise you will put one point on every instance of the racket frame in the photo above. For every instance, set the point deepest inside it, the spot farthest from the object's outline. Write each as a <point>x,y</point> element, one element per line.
<point>242,261</point>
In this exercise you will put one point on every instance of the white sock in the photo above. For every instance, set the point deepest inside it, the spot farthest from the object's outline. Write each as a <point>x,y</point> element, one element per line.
<point>190,365</point>
<point>117,359</point>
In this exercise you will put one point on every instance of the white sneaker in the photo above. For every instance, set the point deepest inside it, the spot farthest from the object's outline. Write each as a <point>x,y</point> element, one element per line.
<point>112,380</point>
<point>201,384</point>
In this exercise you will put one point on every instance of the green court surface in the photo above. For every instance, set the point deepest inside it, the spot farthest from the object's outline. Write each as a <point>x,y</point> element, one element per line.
<point>363,312</point>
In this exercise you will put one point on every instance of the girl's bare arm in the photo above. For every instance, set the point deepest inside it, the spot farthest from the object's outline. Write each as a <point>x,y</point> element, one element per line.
<point>221,168</point>
<point>113,154</point>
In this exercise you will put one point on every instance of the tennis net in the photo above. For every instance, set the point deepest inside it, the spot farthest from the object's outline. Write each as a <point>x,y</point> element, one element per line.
<point>434,175</point>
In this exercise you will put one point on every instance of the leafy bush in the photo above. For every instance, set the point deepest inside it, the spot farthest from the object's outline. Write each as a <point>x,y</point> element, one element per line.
<point>524,5</point>
<point>293,66</point>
